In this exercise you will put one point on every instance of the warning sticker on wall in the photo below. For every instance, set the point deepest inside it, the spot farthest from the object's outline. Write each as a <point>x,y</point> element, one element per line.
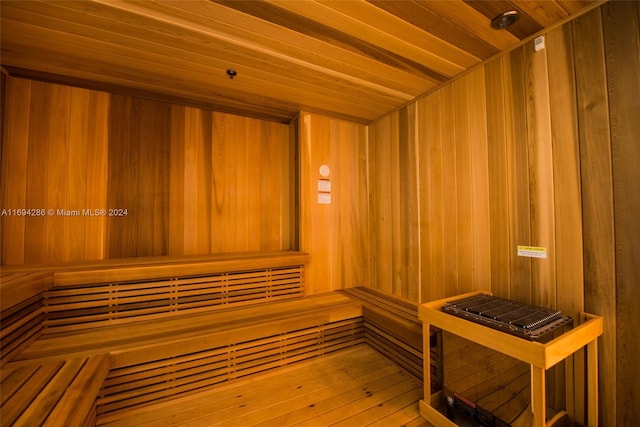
<point>532,251</point>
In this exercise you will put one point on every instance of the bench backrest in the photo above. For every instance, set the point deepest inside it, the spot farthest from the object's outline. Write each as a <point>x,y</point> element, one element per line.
<point>100,304</point>
<point>94,294</point>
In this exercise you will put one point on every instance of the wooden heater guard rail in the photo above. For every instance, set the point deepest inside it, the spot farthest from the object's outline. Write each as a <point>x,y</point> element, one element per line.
<point>540,356</point>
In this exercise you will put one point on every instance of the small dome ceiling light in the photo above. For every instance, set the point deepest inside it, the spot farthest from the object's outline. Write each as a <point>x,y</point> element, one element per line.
<point>505,19</point>
<point>231,73</point>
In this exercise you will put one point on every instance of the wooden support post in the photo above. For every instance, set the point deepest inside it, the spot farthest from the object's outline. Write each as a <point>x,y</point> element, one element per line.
<point>426,362</point>
<point>592,383</point>
<point>538,398</point>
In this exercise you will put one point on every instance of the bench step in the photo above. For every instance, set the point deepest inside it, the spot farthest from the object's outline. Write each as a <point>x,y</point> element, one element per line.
<point>59,393</point>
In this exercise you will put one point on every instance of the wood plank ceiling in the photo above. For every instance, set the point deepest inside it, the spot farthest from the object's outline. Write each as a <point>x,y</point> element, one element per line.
<point>349,59</point>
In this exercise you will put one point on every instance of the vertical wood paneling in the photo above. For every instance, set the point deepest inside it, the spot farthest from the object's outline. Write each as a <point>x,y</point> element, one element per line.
<point>137,154</point>
<point>480,181</point>
<point>380,184</point>
<point>96,139</point>
<point>540,175</point>
<point>36,171</point>
<point>555,131</point>
<point>449,191</point>
<point>428,289</point>
<point>568,203</point>
<point>436,195</point>
<point>57,167</point>
<point>464,199</point>
<point>191,181</point>
<point>597,197</point>
<point>518,182</point>
<point>498,184</point>
<point>335,235</point>
<point>15,149</point>
<point>621,24</point>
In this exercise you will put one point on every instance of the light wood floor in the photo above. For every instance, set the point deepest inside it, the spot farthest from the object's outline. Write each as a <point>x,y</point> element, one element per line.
<point>354,387</point>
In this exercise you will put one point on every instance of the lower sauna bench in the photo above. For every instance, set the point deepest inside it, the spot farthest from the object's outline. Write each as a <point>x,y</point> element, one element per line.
<point>356,386</point>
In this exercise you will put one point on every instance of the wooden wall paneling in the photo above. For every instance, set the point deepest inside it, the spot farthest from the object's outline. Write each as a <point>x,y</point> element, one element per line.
<point>123,175</point>
<point>621,24</point>
<point>597,199</point>
<point>142,210</point>
<point>540,175</point>
<point>274,160</point>
<point>316,230</point>
<point>448,135</point>
<point>336,235</point>
<point>138,132</point>
<point>76,187</point>
<point>57,167</point>
<point>161,122</point>
<point>177,182</point>
<point>409,202</point>
<point>349,149</point>
<point>542,193</point>
<point>191,181</point>
<point>290,221</point>
<point>154,159</point>
<point>566,171</point>
<point>398,274</point>
<point>380,187</point>
<point>15,155</point>
<point>464,199</point>
<point>86,171</point>
<point>436,196</point>
<point>97,139</point>
<point>424,207</point>
<point>37,171</point>
<point>498,186</point>
<point>519,196</point>
<point>222,190</point>
<point>480,217</point>
<point>196,233</point>
<point>568,207</point>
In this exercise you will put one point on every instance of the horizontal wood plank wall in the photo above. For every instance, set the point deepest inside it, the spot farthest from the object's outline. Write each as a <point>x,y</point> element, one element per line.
<point>335,235</point>
<point>192,181</point>
<point>533,148</point>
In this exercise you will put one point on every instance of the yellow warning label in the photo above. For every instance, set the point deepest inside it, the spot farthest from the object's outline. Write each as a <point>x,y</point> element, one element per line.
<point>532,251</point>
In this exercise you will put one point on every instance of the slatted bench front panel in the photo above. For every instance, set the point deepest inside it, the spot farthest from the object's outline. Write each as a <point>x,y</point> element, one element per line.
<point>136,386</point>
<point>21,324</point>
<point>91,305</point>
<point>21,310</point>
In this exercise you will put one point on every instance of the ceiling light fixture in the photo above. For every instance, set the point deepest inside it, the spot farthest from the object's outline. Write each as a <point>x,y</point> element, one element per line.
<point>231,73</point>
<point>505,19</point>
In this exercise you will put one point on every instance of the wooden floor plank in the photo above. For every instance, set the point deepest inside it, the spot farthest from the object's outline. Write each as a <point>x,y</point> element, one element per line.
<point>356,386</point>
<point>310,406</point>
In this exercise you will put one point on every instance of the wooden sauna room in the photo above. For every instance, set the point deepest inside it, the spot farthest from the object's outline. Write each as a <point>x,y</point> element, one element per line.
<point>269,213</point>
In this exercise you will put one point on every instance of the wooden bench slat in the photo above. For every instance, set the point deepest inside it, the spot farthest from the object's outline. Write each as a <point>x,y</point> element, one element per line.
<point>19,399</point>
<point>222,323</point>
<point>79,398</point>
<point>45,401</point>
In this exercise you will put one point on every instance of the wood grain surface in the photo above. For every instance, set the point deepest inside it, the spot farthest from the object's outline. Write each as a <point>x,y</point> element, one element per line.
<point>165,179</point>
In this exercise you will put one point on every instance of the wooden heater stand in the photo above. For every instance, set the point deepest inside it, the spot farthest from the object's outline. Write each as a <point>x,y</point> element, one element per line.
<point>540,356</point>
